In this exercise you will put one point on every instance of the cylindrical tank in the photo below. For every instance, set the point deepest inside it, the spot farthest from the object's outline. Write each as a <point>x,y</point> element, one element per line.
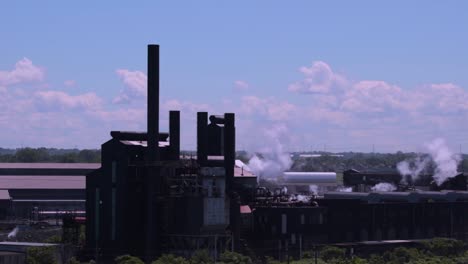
<point>309,178</point>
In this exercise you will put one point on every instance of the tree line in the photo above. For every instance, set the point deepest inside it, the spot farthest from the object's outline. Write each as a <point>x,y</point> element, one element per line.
<point>50,155</point>
<point>434,251</point>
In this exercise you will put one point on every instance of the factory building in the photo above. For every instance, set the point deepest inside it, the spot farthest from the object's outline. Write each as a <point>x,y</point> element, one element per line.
<point>37,191</point>
<point>282,227</point>
<point>364,180</point>
<point>146,200</point>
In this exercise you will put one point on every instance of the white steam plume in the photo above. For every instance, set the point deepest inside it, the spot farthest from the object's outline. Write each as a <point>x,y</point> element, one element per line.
<point>13,232</point>
<point>344,189</point>
<point>384,187</point>
<point>413,168</point>
<point>445,161</point>
<point>313,189</point>
<point>274,159</point>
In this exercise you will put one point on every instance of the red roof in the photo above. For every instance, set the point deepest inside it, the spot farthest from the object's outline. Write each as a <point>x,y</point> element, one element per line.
<point>245,209</point>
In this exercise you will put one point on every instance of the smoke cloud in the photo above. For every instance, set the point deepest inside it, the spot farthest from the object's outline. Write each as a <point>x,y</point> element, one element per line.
<point>344,189</point>
<point>384,187</point>
<point>271,160</point>
<point>313,189</point>
<point>444,160</point>
<point>13,232</point>
<point>413,168</point>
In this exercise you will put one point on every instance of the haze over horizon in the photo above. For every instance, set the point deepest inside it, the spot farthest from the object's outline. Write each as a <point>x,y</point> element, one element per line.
<point>308,75</point>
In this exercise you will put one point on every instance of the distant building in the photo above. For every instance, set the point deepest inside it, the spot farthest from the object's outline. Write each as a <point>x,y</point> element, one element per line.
<point>34,190</point>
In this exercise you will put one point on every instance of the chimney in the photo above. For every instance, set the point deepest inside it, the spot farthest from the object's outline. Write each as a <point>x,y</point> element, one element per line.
<point>202,131</point>
<point>174,134</point>
<point>229,149</point>
<point>153,103</point>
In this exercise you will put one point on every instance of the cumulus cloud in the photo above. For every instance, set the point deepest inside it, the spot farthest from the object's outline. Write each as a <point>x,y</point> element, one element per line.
<point>58,100</point>
<point>24,71</point>
<point>319,78</point>
<point>135,85</point>
<point>69,83</point>
<point>241,85</point>
<point>373,96</point>
<point>270,108</point>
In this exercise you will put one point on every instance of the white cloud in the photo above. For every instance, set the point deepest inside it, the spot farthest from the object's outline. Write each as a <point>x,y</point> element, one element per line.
<point>319,78</point>
<point>135,85</point>
<point>58,100</point>
<point>241,85</point>
<point>24,71</point>
<point>373,96</point>
<point>69,83</point>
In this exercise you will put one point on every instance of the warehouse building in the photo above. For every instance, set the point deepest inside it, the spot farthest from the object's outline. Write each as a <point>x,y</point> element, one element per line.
<point>42,190</point>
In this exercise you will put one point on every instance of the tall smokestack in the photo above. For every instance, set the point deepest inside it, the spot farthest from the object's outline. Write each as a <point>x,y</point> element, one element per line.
<point>174,134</point>
<point>153,103</point>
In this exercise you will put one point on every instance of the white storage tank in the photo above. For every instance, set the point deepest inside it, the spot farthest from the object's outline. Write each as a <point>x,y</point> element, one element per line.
<point>309,178</point>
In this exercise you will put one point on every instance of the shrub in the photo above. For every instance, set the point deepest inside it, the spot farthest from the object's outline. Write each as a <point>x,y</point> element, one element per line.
<point>201,257</point>
<point>73,261</point>
<point>229,257</point>
<point>170,259</point>
<point>329,253</point>
<point>40,255</point>
<point>444,246</point>
<point>127,259</point>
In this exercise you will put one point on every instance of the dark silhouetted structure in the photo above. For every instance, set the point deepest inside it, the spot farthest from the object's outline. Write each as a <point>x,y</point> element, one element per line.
<point>147,199</point>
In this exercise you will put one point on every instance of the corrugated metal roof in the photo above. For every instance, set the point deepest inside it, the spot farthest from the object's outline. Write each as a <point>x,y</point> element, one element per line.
<point>242,172</point>
<point>4,195</point>
<point>91,166</point>
<point>42,182</point>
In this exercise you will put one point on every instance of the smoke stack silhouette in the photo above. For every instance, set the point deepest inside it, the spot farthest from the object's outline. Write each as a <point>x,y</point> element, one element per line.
<point>153,103</point>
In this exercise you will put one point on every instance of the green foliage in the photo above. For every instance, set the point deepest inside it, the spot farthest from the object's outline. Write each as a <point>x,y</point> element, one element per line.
<point>40,255</point>
<point>402,255</point>
<point>127,259</point>
<point>229,257</point>
<point>56,239</point>
<point>82,235</point>
<point>170,259</point>
<point>354,260</point>
<point>444,246</point>
<point>329,253</point>
<point>270,260</point>
<point>31,155</point>
<point>201,257</point>
<point>51,155</point>
<point>73,260</point>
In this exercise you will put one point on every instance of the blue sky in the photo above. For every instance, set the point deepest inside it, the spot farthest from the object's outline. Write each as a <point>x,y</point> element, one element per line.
<point>340,75</point>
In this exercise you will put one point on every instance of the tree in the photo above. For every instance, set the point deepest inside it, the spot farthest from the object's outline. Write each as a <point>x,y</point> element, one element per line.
<point>127,259</point>
<point>170,259</point>
<point>329,253</point>
<point>73,260</point>
<point>40,255</point>
<point>201,257</point>
<point>32,155</point>
<point>444,246</point>
<point>229,257</point>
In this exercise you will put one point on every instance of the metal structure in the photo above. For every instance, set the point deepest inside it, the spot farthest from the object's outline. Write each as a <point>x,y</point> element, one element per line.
<point>145,199</point>
<point>307,178</point>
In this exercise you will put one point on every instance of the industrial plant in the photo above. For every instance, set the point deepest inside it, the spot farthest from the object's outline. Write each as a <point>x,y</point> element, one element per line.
<point>146,198</point>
